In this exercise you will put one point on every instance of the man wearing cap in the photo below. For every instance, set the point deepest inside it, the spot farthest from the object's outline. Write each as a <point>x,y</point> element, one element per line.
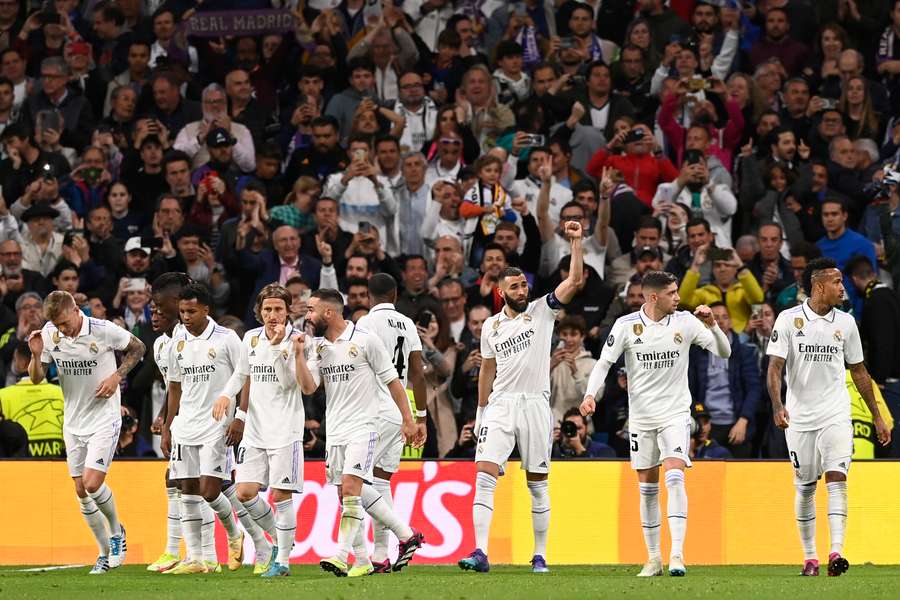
<point>701,444</point>
<point>138,263</point>
<point>192,139</point>
<point>44,190</point>
<point>41,244</point>
<point>220,147</point>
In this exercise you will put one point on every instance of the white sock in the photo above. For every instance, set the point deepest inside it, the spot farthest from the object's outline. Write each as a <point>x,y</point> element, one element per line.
<point>650,518</point>
<point>107,505</point>
<point>173,521</point>
<point>208,533</point>
<point>285,529</point>
<point>379,531</point>
<point>351,520</point>
<point>96,523</point>
<point>677,510</point>
<point>483,508</point>
<point>191,520</point>
<point>261,513</point>
<point>260,543</point>
<point>360,550</point>
<point>837,513</point>
<point>382,512</point>
<point>222,507</point>
<point>540,515</point>
<point>805,511</point>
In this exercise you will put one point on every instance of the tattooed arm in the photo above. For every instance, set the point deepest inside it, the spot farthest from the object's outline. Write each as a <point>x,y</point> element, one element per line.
<point>863,383</point>
<point>774,377</point>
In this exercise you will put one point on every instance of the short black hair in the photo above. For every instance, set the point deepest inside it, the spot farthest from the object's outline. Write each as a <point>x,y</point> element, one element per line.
<point>381,139</point>
<point>585,185</point>
<point>18,129</point>
<point>329,295</point>
<point>511,272</point>
<point>412,257</point>
<point>62,266</point>
<point>382,285</point>
<point>657,280</point>
<point>361,62</point>
<point>597,64</point>
<point>860,266</point>
<point>807,250</point>
<point>822,263</point>
<point>174,156</point>
<point>717,303</point>
<point>698,221</point>
<point>493,246</point>
<point>196,291</point>
<point>649,222</point>
<point>831,199</point>
<point>575,412</point>
<point>325,121</point>
<point>269,150</point>
<point>110,12</point>
<point>171,282</point>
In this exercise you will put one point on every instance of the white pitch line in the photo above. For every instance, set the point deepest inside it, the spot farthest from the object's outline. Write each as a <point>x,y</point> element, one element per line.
<point>50,568</point>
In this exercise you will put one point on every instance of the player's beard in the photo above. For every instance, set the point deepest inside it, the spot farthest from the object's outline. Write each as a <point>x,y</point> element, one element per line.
<point>517,306</point>
<point>319,328</point>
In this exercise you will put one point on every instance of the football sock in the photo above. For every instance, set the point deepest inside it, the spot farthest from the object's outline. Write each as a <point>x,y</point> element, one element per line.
<point>540,515</point>
<point>483,508</point>
<point>285,529</point>
<point>380,532</point>
<point>107,505</point>
<point>381,511</point>
<point>191,520</point>
<point>351,520</point>
<point>650,518</point>
<point>208,532</point>
<point>223,510</point>
<point>96,523</point>
<point>256,533</point>
<point>805,510</point>
<point>360,550</point>
<point>677,509</point>
<point>173,521</point>
<point>262,513</point>
<point>837,513</point>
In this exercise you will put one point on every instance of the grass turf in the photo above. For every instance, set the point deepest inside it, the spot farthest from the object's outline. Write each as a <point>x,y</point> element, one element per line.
<point>447,582</point>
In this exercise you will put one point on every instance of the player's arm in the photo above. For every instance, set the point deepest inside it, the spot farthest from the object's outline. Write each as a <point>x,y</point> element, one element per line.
<point>308,381</point>
<point>612,350</point>
<point>134,353</point>
<point>173,400</point>
<point>39,363</point>
<point>568,287</point>
<point>863,382</point>
<point>420,392</point>
<point>409,429</point>
<point>486,375</point>
<point>234,385</point>
<point>235,432</point>
<point>716,340</point>
<point>774,377</point>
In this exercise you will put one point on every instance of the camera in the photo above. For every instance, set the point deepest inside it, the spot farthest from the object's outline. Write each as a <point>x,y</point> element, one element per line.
<point>829,103</point>
<point>70,235</point>
<point>365,227</point>
<point>715,253</point>
<point>568,429</point>
<point>151,242</point>
<point>424,319</point>
<point>635,135</point>
<point>576,80</point>
<point>566,43</point>
<point>533,140</point>
<point>698,85</point>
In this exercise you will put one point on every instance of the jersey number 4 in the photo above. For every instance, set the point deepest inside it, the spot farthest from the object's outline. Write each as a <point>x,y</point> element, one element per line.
<point>399,362</point>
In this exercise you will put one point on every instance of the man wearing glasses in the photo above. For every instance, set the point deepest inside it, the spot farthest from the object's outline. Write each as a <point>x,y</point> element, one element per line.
<point>192,139</point>
<point>419,111</point>
<point>78,118</point>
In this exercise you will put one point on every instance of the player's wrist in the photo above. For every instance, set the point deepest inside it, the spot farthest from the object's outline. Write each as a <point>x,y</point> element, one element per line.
<point>240,415</point>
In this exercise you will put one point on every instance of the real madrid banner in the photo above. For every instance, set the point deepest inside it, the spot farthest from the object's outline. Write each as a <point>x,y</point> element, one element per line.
<point>239,22</point>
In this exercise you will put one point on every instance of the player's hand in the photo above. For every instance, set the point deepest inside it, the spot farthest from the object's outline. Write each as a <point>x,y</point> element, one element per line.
<point>235,433</point>
<point>36,343</point>
<point>588,406</point>
<point>421,434</point>
<point>279,334</point>
<point>298,345</point>
<point>156,426</point>
<point>165,443</point>
<point>704,313</point>
<point>881,428</point>
<point>409,431</point>
<point>220,407</point>
<point>782,419</point>
<point>108,386</point>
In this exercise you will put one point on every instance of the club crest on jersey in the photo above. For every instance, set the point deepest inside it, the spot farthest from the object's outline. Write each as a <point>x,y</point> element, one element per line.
<point>838,336</point>
<point>798,323</point>
<point>353,351</point>
<point>637,328</point>
<point>93,348</point>
<point>526,317</point>
<point>496,325</point>
<point>678,337</point>
<point>254,341</point>
<point>319,350</point>
<point>211,353</point>
<point>284,354</point>
<point>610,340</point>
<point>180,346</point>
<point>55,337</point>
<point>774,335</point>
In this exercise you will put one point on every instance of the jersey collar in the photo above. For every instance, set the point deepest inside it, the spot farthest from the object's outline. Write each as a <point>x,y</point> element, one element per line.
<point>502,316</point>
<point>85,326</point>
<point>207,333</point>
<point>648,322</point>
<point>345,336</point>
<point>812,315</point>
<point>382,306</point>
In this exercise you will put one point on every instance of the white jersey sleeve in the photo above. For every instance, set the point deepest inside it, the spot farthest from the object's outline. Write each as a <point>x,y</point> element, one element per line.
<point>380,361</point>
<point>701,335</point>
<point>311,349</point>
<point>615,343</point>
<point>853,352</point>
<point>113,336</point>
<point>780,340</point>
<point>487,351</point>
<point>174,374</point>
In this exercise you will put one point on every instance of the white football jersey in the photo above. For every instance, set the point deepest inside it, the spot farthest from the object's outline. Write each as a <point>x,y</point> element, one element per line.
<point>815,349</point>
<point>350,368</point>
<point>399,335</point>
<point>521,347</point>
<point>82,363</point>
<point>656,360</point>
<point>202,365</point>
<point>161,352</point>
<point>275,416</point>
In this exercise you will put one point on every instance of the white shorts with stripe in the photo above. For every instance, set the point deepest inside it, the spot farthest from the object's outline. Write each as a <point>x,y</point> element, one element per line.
<point>814,453</point>
<point>356,457</point>
<point>517,419</point>
<point>278,468</point>
<point>93,451</point>
<point>389,448</point>
<point>210,459</point>
<point>649,447</point>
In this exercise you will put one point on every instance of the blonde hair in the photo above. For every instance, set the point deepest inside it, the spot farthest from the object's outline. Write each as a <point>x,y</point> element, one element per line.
<point>271,291</point>
<point>56,303</point>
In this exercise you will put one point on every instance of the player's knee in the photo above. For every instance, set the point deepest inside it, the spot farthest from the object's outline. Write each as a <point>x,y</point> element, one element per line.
<point>490,468</point>
<point>805,489</point>
<point>246,494</point>
<point>279,495</point>
<point>835,476</point>
<point>92,484</point>
<point>79,487</point>
<point>536,476</point>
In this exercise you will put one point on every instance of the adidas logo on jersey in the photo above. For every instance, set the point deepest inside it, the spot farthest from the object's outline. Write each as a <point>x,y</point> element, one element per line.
<point>286,480</point>
<point>253,353</point>
<point>800,333</point>
<point>358,467</point>
<point>843,465</point>
<point>99,461</point>
<point>638,341</point>
<point>56,348</point>
<point>179,357</point>
<point>543,464</point>
<point>218,469</point>
<point>678,449</point>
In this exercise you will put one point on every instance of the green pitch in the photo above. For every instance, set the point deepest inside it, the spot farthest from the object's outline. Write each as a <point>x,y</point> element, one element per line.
<point>427,583</point>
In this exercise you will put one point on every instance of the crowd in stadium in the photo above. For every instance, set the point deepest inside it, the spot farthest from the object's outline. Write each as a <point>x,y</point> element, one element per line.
<point>440,141</point>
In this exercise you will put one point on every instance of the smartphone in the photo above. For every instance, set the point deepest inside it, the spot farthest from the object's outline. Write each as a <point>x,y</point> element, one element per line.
<point>756,311</point>
<point>136,284</point>
<point>698,85</point>
<point>424,319</point>
<point>715,253</point>
<point>566,43</point>
<point>49,119</point>
<point>365,227</point>
<point>360,154</point>
<point>533,140</point>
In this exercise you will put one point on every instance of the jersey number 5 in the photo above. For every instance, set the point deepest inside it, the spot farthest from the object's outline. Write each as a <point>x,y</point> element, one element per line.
<point>634,442</point>
<point>399,364</point>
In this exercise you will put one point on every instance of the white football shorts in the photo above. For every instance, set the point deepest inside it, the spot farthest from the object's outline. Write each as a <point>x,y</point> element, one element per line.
<point>816,452</point>
<point>193,461</point>
<point>356,457</point>
<point>650,447</point>
<point>279,468</point>
<point>93,451</point>
<point>523,419</point>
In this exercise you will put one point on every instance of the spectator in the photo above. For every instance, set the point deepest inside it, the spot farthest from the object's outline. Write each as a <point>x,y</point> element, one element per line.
<point>419,112</point>
<point>769,266</point>
<point>343,106</point>
<point>41,243</point>
<point>841,244</point>
<point>170,111</point>
<point>392,52</point>
<point>702,445</point>
<point>570,366</point>
<point>414,298</point>
<point>78,116</point>
<point>323,158</point>
<point>699,235</point>
<point>452,295</point>
<point>778,44</point>
<point>464,384</point>
<point>794,294</point>
<point>484,114</point>
<point>729,389</point>
<point>19,400</point>
<point>733,284</point>
<point>192,139</point>
<point>573,440</point>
